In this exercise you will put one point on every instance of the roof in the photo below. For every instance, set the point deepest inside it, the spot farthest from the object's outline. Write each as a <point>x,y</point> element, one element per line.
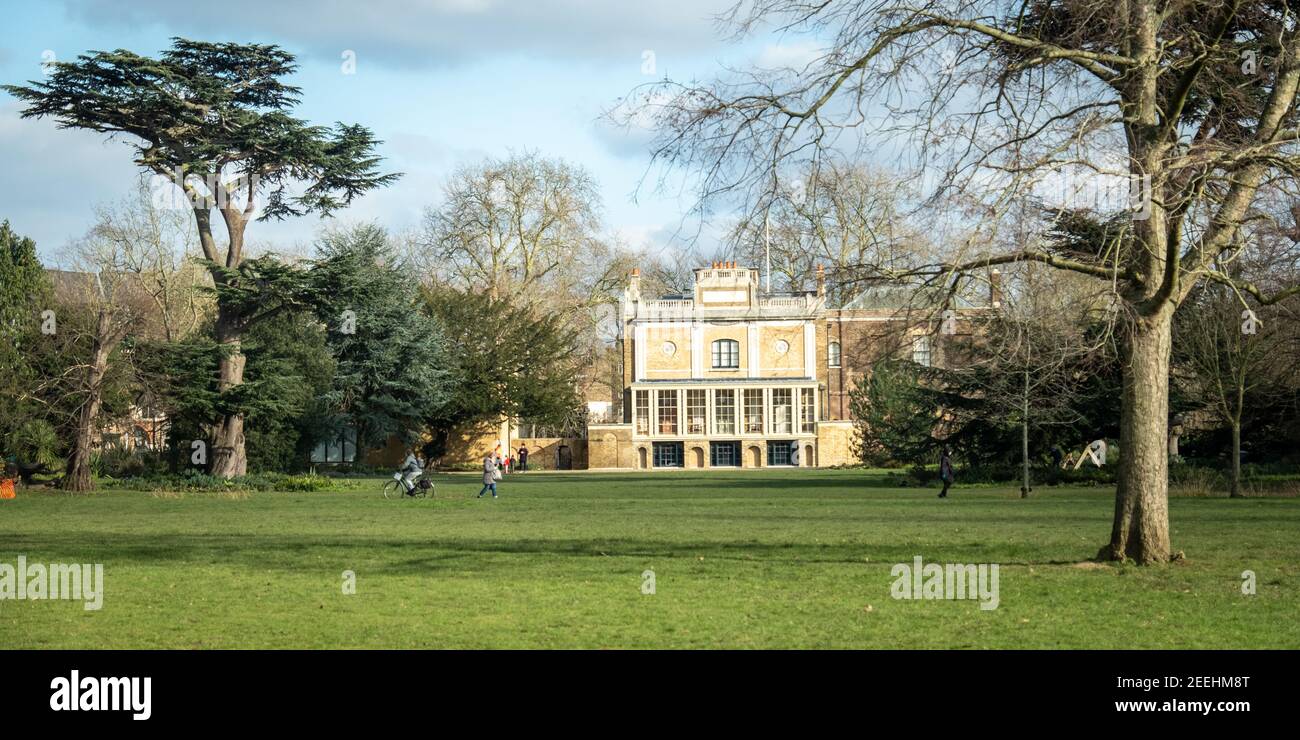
<point>897,297</point>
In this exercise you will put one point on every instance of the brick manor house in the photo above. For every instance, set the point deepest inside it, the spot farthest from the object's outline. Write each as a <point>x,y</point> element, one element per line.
<point>732,376</point>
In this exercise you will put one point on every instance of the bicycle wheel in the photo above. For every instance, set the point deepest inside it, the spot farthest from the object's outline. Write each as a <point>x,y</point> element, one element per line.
<point>393,489</point>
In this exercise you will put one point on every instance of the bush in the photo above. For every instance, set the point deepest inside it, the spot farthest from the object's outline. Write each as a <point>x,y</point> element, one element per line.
<point>202,482</point>
<point>119,462</point>
<point>1007,474</point>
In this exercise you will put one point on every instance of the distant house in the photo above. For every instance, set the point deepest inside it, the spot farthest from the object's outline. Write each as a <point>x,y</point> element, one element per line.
<point>733,376</point>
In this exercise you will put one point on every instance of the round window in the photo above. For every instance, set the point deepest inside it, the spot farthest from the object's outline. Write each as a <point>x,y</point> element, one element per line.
<point>782,346</point>
<point>670,349</point>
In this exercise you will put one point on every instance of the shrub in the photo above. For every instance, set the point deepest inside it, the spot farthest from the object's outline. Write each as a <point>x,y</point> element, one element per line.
<point>197,481</point>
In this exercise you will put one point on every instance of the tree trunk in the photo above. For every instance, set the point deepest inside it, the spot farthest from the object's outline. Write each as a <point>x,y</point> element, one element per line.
<point>229,458</point>
<point>77,476</point>
<point>1024,439</point>
<point>1235,490</point>
<point>1141,527</point>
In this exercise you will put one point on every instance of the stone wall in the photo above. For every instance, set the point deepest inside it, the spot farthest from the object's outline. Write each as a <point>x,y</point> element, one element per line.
<point>835,443</point>
<point>609,446</point>
<point>544,452</point>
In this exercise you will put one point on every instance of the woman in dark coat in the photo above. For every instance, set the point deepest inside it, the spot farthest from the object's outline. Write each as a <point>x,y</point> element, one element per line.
<point>945,471</point>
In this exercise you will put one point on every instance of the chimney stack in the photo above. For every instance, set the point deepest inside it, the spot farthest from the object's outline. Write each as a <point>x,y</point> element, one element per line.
<point>995,289</point>
<point>821,282</point>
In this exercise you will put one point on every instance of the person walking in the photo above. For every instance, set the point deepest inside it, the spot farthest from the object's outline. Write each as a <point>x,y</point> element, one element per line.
<point>523,457</point>
<point>945,471</point>
<point>489,476</point>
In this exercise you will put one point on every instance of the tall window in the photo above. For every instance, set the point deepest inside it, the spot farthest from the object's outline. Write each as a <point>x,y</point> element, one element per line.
<point>782,411</point>
<point>724,454</point>
<point>779,452</point>
<point>667,454</point>
<point>921,350</point>
<point>833,354</point>
<point>807,411</point>
<point>696,410</point>
<point>643,412</point>
<point>724,411</point>
<point>667,412</point>
<point>726,353</point>
<point>753,410</point>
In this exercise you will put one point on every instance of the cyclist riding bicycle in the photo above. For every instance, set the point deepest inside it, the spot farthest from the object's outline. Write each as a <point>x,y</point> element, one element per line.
<point>411,470</point>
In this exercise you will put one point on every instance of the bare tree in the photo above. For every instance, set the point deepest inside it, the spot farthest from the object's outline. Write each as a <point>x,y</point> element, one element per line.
<point>103,297</point>
<point>1028,360</point>
<point>152,246</point>
<point>837,217</point>
<point>989,101</point>
<point>1235,354</point>
<point>133,273</point>
<point>514,227</point>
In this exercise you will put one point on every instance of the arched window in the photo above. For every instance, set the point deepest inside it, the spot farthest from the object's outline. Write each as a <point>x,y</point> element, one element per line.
<point>726,354</point>
<point>833,354</point>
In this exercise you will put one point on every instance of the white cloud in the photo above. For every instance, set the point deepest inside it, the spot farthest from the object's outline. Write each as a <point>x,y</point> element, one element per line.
<point>431,32</point>
<point>794,56</point>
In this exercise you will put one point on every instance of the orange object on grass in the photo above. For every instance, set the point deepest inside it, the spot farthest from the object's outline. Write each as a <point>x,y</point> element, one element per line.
<point>7,489</point>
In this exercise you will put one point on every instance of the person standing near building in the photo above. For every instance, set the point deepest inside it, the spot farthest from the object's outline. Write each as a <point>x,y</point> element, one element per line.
<point>489,476</point>
<point>945,471</point>
<point>523,457</point>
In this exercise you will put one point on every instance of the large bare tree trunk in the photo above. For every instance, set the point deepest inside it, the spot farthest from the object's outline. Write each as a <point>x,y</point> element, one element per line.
<point>77,477</point>
<point>1141,527</point>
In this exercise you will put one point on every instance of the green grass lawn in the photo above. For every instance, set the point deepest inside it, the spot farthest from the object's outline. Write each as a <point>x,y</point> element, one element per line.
<point>741,559</point>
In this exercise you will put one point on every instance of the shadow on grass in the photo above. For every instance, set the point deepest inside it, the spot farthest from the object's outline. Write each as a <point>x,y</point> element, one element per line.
<point>393,556</point>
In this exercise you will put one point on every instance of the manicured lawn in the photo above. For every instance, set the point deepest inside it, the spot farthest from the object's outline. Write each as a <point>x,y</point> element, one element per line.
<point>741,559</point>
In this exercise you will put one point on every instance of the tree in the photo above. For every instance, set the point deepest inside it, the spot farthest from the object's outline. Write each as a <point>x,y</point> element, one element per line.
<point>505,362</point>
<point>1000,98</point>
<point>896,413</point>
<point>290,361</point>
<point>1234,355</point>
<point>188,377</point>
<point>214,120</point>
<point>113,317</point>
<point>524,228</point>
<point>837,217</point>
<point>153,248</point>
<point>134,279</point>
<point>393,366</point>
<point>1028,365</point>
<point>25,292</point>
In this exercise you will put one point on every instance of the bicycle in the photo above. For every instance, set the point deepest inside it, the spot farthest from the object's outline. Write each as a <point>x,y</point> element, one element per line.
<point>396,489</point>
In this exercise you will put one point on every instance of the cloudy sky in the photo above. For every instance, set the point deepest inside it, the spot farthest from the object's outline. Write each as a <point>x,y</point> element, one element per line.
<point>442,82</point>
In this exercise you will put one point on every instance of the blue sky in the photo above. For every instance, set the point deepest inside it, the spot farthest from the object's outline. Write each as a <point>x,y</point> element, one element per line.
<point>442,82</point>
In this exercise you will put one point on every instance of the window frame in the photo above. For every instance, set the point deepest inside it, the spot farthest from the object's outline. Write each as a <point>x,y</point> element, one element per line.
<point>725,351</point>
<point>702,407</point>
<point>661,420</point>
<point>746,406</point>
<point>729,417</point>
<point>922,346</point>
<point>786,426</point>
